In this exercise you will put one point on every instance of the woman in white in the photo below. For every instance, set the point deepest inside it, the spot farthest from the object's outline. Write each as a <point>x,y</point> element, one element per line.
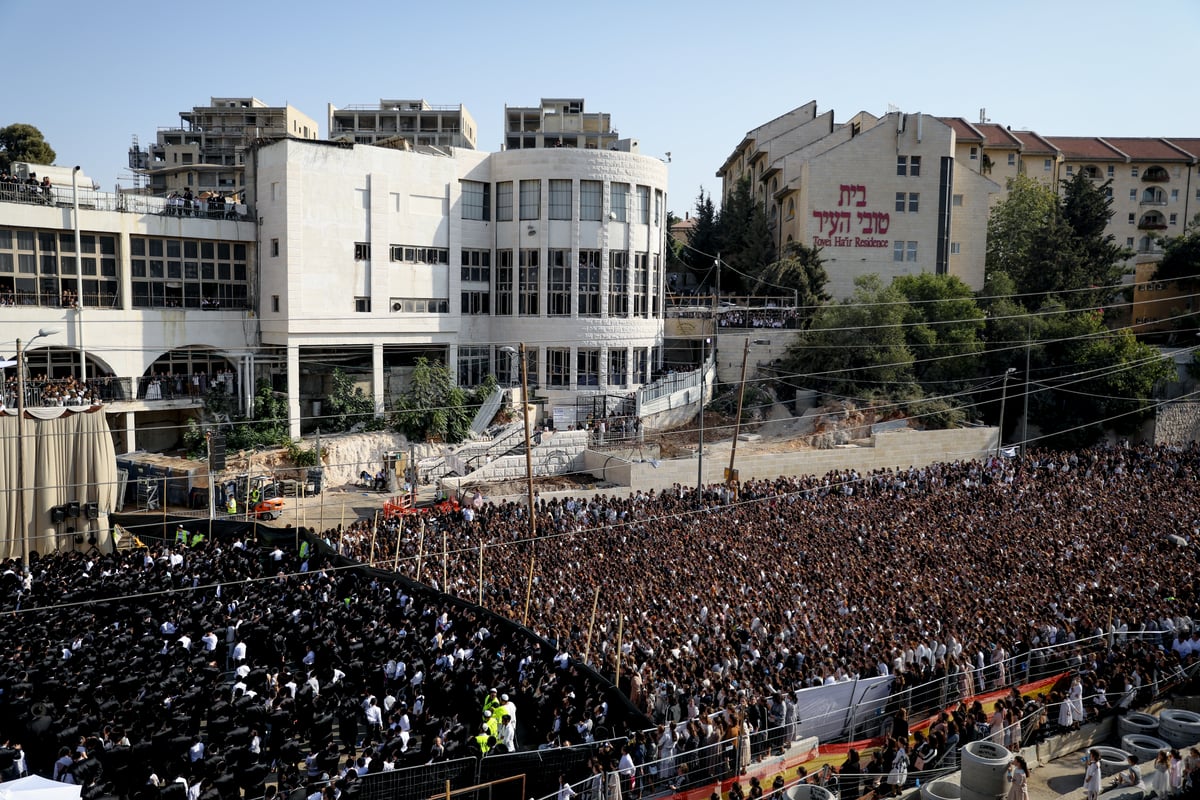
<point>1160,782</point>
<point>1075,698</point>
<point>899,773</point>
<point>1065,717</point>
<point>1018,771</point>
<point>666,750</point>
<point>1092,776</point>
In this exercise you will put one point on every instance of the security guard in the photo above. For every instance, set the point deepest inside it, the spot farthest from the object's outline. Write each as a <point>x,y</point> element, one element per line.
<point>231,505</point>
<point>197,538</point>
<point>181,535</point>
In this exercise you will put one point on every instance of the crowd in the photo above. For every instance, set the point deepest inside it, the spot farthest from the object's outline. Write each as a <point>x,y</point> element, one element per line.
<point>715,607</point>
<point>214,205</point>
<point>43,391</point>
<point>759,318</point>
<point>29,190</point>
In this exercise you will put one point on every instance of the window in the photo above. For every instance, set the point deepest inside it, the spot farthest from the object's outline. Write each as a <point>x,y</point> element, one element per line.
<point>900,197</point>
<point>956,200</point>
<point>1012,159</point>
<point>620,202</point>
<point>642,365</point>
<point>591,200</point>
<point>914,166</point>
<point>1070,170</point>
<point>362,305</point>
<point>911,201</point>
<point>618,367</point>
<point>476,302</point>
<point>476,265</point>
<point>643,205</point>
<point>527,282</point>
<point>275,303</point>
<point>898,251</point>
<point>362,251</point>
<point>587,367</point>
<point>474,363</point>
<point>1133,195</point>
<point>504,202</point>
<point>974,153</point>
<point>274,248</point>
<point>1047,164</point>
<point>658,204</point>
<point>618,283</point>
<point>1173,218</point>
<point>195,274</point>
<point>901,165</point>
<point>1131,218</point>
<point>1174,195</point>
<point>420,255</point>
<point>558,366</point>
<point>791,208</point>
<point>1133,172</point>
<point>531,199</point>
<point>955,248</point>
<point>1129,243</point>
<point>1108,192</point>
<point>421,305</point>
<point>476,201</point>
<point>558,301</point>
<point>504,282</point>
<point>589,283</point>
<point>641,288</point>
<point>560,199</point>
<point>912,251</point>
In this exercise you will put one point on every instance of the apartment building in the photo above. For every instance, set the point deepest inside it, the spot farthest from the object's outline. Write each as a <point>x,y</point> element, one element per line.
<point>403,123</point>
<point>559,122</point>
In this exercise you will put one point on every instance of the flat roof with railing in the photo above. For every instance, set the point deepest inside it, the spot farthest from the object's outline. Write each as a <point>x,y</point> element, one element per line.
<point>61,197</point>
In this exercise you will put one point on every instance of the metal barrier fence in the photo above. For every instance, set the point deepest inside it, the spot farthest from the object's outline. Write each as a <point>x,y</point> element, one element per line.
<point>419,782</point>
<point>93,200</point>
<point>669,384</point>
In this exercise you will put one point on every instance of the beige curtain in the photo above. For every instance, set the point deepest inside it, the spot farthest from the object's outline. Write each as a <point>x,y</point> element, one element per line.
<point>69,457</point>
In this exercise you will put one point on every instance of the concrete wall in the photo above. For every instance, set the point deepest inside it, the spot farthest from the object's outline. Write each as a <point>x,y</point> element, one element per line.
<point>558,453</point>
<point>901,449</point>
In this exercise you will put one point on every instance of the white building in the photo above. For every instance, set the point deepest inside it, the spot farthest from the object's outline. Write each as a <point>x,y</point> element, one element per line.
<point>374,257</point>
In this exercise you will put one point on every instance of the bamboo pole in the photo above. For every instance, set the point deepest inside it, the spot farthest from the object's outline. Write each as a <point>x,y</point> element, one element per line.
<point>528,585</point>
<point>587,648</point>
<point>620,631</point>
<point>420,547</point>
<point>445,566</point>
<point>481,546</point>
<point>374,530</point>
<point>396,560</point>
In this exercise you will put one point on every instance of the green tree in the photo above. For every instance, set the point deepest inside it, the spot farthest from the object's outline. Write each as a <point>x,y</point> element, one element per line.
<point>23,142</point>
<point>1013,228</point>
<point>348,406</point>
<point>801,272</point>
<point>1181,255</point>
<point>746,242</point>
<point>704,240</point>
<point>856,348</point>
<point>1098,264</point>
<point>433,407</point>
<point>944,330</point>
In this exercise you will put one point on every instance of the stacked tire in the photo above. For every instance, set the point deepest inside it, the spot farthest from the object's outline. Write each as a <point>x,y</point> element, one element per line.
<point>941,789</point>
<point>1112,759</point>
<point>1146,748</point>
<point>1137,722</point>
<point>807,791</point>
<point>1179,727</point>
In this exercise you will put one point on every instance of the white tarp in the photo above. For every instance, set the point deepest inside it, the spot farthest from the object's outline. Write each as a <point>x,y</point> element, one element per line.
<point>35,787</point>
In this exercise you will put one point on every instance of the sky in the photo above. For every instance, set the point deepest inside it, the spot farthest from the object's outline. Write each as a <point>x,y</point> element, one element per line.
<point>689,79</point>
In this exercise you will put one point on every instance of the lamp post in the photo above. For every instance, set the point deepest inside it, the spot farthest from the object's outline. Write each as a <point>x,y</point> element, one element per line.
<point>21,487</point>
<point>1003,398</point>
<point>78,276</point>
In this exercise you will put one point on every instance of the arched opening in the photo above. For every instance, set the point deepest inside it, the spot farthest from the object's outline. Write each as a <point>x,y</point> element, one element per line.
<point>1154,196</point>
<point>187,372</point>
<point>1091,171</point>
<point>1152,221</point>
<point>1155,174</point>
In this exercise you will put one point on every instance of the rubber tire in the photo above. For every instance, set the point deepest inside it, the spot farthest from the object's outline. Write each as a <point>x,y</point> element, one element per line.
<point>1144,747</point>
<point>807,791</point>
<point>1179,727</point>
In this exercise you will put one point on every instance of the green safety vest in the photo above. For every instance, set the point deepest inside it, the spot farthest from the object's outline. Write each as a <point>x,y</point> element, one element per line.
<point>304,550</point>
<point>483,742</point>
<point>231,505</point>
<point>197,538</point>
<point>181,535</point>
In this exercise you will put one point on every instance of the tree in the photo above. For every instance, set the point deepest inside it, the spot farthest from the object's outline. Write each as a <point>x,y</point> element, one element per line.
<point>1014,225</point>
<point>856,348</point>
<point>943,329</point>
<point>1087,209</point>
<point>703,241</point>
<point>1181,255</point>
<point>22,142</point>
<point>432,406</point>
<point>802,272</point>
<point>745,240</point>
<point>348,406</point>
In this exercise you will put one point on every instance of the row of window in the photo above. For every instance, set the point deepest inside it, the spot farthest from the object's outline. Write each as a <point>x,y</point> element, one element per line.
<point>474,364</point>
<point>908,165</point>
<point>627,203</point>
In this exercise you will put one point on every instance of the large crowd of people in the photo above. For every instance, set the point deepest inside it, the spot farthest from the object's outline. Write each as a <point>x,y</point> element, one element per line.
<point>716,606</point>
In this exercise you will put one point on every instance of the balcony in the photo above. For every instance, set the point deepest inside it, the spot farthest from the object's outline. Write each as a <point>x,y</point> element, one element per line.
<point>1155,175</point>
<point>61,197</point>
<point>1152,222</point>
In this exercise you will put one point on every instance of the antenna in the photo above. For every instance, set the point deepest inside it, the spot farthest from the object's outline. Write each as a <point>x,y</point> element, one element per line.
<point>983,117</point>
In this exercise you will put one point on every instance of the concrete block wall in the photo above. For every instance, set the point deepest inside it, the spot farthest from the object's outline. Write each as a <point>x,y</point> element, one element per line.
<point>558,453</point>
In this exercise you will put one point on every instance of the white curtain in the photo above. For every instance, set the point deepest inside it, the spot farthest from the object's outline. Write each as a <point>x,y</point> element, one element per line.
<point>69,457</point>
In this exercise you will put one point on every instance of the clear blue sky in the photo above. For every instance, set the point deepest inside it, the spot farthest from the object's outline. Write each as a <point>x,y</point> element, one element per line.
<point>688,78</point>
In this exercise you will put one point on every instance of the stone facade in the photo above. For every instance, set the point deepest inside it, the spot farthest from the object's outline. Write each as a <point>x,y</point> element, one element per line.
<point>1177,423</point>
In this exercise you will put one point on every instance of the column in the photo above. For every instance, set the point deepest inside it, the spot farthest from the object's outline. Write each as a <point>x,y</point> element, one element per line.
<point>130,431</point>
<point>293,390</point>
<point>377,377</point>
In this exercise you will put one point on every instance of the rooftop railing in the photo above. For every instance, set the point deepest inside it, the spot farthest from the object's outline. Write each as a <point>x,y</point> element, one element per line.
<point>92,200</point>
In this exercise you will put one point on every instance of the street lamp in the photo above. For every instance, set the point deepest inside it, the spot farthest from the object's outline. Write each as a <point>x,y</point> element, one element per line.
<point>78,277</point>
<point>1003,398</point>
<point>21,487</point>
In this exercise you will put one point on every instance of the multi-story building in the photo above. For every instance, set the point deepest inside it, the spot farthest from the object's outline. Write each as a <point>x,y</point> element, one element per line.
<point>154,306</point>
<point>399,122</point>
<point>373,257</point>
<point>558,122</point>
<point>818,178</point>
<point>206,152</point>
<point>876,194</point>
